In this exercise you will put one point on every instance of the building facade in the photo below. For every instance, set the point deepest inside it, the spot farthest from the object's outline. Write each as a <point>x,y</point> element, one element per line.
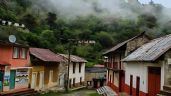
<point>95,76</point>
<point>76,70</point>
<point>148,69</point>
<point>116,68</point>
<point>14,66</point>
<point>45,69</point>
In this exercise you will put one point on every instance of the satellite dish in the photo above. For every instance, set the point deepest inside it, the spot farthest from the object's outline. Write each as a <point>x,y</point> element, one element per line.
<point>12,38</point>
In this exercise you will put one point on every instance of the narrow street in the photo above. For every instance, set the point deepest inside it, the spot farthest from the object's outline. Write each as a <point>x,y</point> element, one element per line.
<point>83,92</point>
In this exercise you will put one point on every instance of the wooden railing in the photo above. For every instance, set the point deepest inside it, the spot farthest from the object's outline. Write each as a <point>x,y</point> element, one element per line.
<point>114,65</point>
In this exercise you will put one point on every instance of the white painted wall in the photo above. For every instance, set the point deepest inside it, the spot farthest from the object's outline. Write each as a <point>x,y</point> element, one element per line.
<point>77,74</point>
<point>141,70</point>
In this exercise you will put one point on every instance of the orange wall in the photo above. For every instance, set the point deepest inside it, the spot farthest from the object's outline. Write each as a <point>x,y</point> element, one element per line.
<point>6,53</point>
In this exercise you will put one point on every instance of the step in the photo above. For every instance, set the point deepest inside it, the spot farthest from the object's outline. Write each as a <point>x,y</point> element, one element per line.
<point>22,92</point>
<point>167,87</point>
<point>165,93</point>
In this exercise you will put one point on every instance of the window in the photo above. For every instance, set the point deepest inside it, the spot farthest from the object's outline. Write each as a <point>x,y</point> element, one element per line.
<point>15,52</point>
<point>80,80</point>
<point>74,65</point>
<point>73,82</point>
<point>80,67</point>
<point>24,53</point>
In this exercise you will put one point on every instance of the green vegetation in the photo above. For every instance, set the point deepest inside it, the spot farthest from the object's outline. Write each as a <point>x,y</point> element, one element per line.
<point>94,94</point>
<point>47,29</point>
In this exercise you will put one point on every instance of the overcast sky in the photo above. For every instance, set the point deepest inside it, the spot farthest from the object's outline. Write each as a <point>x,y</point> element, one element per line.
<point>166,3</point>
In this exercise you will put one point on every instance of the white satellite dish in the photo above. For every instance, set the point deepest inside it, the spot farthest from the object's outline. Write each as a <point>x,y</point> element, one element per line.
<point>12,38</point>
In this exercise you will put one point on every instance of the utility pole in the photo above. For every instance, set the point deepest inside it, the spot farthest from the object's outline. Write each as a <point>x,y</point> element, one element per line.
<point>71,41</point>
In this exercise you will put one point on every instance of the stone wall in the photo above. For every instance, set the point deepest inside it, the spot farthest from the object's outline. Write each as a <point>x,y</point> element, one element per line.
<point>135,43</point>
<point>167,80</point>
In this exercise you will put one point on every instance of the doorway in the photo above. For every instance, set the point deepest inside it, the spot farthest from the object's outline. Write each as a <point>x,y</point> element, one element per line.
<point>12,79</point>
<point>34,80</point>
<point>154,74</point>
<point>41,81</point>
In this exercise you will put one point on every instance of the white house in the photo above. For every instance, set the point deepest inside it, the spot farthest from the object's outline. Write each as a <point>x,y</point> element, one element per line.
<point>147,68</point>
<point>76,71</point>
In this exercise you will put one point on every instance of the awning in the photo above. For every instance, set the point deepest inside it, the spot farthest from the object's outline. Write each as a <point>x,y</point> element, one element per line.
<point>21,68</point>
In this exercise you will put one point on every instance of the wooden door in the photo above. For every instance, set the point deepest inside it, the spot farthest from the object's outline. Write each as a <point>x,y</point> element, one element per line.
<point>121,81</point>
<point>137,86</point>
<point>154,74</point>
<point>33,80</point>
<point>131,84</point>
<point>12,79</point>
<point>1,81</point>
<point>41,81</point>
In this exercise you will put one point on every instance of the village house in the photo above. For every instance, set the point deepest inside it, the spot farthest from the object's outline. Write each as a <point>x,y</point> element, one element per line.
<point>14,67</point>
<point>148,69</point>
<point>95,76</point>
<point>113,57</point>
<point>76,71</point>
<point>45,69</point>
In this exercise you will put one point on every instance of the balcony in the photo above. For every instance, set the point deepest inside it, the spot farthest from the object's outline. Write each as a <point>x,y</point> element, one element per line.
<point>113,66</point>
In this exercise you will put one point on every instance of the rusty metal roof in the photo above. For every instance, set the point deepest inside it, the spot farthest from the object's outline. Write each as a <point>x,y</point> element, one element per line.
<point>73,58</point>
<point>122,44</point>
<point>45,55</point>
<point>152,50</point>
<point>6,43</point>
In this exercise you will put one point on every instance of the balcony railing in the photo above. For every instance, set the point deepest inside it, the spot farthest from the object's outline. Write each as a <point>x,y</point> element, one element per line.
<point>114,65</point>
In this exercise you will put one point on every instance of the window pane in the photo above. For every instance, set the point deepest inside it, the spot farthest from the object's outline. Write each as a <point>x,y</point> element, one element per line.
<point>23,53</point>
<point>16,52</point>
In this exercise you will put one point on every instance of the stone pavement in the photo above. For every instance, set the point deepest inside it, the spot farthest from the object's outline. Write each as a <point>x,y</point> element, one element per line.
<point>80,93</point>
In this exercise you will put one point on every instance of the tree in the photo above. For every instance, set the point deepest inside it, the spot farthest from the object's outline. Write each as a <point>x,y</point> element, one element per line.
<point>30,22</point>
<point>51,20</point>
<point>105,39</point>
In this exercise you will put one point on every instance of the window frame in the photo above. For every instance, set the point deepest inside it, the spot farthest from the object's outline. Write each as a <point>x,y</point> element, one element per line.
<point>18,53</point>
<point>21,53</point>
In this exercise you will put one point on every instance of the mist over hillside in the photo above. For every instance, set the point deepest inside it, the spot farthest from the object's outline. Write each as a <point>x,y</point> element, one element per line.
<point>52,22</point>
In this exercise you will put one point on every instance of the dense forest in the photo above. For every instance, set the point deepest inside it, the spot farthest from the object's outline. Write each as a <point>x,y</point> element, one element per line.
<point>46,28</point>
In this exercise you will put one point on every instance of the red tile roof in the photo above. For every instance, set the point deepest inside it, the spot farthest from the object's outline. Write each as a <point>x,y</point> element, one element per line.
<point>73,58</point>
<point>45,55</point>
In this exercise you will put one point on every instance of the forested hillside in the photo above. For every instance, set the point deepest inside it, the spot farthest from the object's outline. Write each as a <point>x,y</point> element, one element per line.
<point>50,28</point>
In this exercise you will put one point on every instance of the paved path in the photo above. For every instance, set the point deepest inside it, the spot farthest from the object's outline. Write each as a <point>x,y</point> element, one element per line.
<point>80,93</point>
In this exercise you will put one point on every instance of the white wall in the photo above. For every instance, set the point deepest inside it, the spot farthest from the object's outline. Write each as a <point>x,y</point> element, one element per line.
<point>77,74</point>
<point>141,70</point>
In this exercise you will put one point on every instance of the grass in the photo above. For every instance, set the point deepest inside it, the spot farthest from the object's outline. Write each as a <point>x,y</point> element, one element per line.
<point>94,94</point>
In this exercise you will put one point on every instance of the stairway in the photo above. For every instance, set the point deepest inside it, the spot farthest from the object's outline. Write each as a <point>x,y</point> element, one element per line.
<point>20,92</point>
<point>166,91</point>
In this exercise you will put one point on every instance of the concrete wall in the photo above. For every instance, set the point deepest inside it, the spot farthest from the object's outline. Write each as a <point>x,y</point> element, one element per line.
<point>46,68</point>
<point>77,74</point>
<point>141,69</point>
<point>7,57</point>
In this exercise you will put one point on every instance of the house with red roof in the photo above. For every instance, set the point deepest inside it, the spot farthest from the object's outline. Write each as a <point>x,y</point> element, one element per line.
<point>45,69</point>
<point>14,66</point>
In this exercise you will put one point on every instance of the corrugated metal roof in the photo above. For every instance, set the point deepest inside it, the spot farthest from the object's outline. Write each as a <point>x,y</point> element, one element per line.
<point>95,70</point>
<point>74,58</point>
<point>152,50</point>
<point>12,44</point>
<point>122,44</point>
<point>45,55</point>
